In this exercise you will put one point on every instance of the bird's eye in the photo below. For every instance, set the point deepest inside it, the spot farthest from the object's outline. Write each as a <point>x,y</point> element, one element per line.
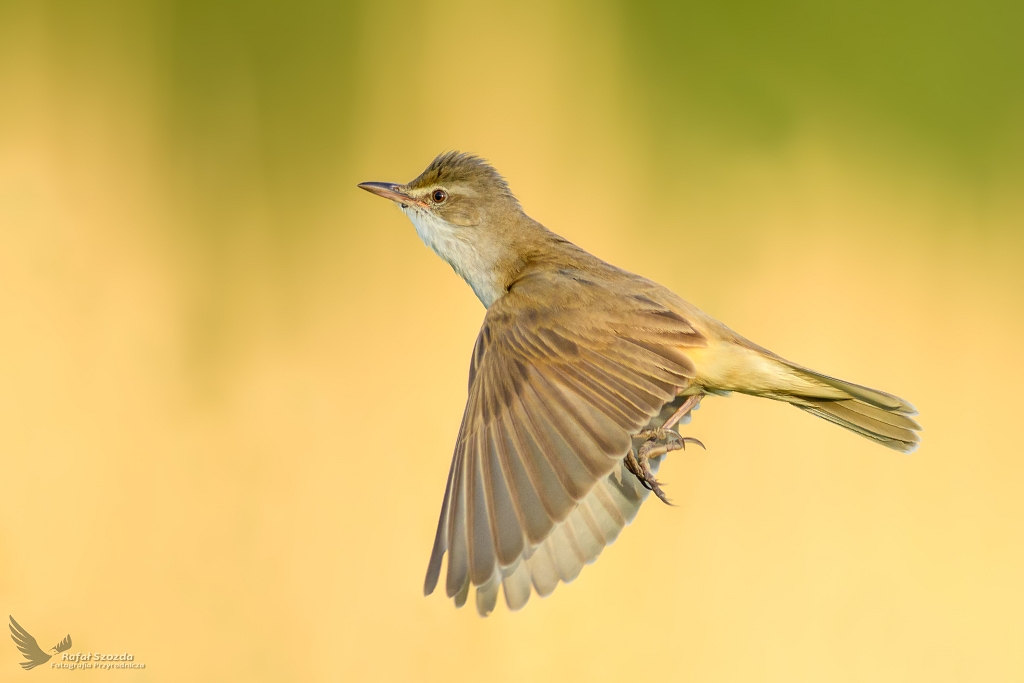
<point>439,196</point>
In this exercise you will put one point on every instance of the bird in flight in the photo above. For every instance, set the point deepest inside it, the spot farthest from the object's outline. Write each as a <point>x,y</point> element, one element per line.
<point>579,378</point>
<point>30,648</point>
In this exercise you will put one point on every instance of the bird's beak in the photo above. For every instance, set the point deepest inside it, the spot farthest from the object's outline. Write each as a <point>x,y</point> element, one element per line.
<point>394,192</point>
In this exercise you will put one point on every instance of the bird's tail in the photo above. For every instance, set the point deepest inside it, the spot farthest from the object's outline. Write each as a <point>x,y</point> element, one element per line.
<point>879,416</point>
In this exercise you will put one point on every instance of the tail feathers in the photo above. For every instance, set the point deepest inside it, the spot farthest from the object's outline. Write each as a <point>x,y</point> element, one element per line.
<point>873,397</point>
<point>879,416</point>
<point>887,428</point>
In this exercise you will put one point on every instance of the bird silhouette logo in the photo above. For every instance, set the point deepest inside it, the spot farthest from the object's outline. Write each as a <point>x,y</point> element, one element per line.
<point>30,648</point>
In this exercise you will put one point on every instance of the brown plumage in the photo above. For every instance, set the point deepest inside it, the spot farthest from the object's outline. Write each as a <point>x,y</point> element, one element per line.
<point>574,359</point>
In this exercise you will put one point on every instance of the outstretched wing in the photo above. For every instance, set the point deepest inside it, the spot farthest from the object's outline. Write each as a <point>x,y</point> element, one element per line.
<point>64,644</point>
<point>556,391</point>
<point>28,646</point>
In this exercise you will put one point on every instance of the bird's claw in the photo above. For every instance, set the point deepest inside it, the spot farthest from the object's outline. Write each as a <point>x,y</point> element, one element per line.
<point>638,465</point>
<point>690,439</point>
<point>657,442</point>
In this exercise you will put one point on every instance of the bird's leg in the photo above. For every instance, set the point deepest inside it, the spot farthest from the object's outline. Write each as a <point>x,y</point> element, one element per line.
<point>649,449</point>
<point>639,464</point>
<point>689,404</point>
<point>665,432</point>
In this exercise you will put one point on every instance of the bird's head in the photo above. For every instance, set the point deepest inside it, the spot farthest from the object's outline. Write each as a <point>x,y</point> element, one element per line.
<point>460,189</point>
<point>463,209</point>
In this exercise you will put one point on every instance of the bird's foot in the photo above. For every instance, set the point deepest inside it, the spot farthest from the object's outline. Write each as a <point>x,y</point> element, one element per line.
<point>657,442</point>
<point>667,435</point>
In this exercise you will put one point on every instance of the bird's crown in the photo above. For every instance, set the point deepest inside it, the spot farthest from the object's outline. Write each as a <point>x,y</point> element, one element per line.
<point>464,170</point>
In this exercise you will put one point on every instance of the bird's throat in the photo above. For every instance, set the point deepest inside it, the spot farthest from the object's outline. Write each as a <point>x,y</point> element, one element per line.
<point>477,259</point>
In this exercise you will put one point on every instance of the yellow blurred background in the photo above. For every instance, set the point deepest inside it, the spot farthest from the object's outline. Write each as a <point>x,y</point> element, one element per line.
<point>230,382</point>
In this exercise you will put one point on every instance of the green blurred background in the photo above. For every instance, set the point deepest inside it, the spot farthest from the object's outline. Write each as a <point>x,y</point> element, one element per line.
<point>230,382</point>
